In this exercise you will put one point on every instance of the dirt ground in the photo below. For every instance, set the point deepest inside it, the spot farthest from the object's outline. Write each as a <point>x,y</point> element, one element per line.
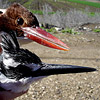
<point>84,51</point>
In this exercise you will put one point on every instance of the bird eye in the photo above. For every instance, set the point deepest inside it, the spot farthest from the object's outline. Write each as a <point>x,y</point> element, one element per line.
<point>1,12</point>
<point>20,21</point>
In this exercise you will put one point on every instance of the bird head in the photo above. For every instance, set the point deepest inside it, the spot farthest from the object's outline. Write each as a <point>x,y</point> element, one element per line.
<point>17,62</point>
<point>18,18</point>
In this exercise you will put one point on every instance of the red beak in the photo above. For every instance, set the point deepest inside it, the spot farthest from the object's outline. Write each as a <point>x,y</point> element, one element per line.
<point>42,37</point>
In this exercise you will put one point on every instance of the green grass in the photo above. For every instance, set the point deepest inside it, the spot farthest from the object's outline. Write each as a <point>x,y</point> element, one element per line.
<point>93,4</point>
<point>91,14</point>
<point>28,3</point>
<point>65,5</point>
<point>37,12</point>
<point>51,30</point>
<point>64,31</point>
<point>70,31</point>
<point>97,30</point>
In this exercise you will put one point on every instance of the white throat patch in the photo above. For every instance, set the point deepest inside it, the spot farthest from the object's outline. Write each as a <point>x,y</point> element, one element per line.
<point>17,86</point>
<point>8,61</point>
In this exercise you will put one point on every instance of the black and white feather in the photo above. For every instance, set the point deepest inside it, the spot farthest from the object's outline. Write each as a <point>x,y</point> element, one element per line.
<point>20,67</point>
<point>9,43</point>
<point>17,65</point>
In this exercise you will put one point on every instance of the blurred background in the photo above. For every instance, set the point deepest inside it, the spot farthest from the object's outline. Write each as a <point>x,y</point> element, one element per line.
<point>65,15</point>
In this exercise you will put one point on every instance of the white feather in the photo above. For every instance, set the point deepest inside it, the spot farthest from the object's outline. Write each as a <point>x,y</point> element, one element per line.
<point>10,62</point>
<point>17,86</point>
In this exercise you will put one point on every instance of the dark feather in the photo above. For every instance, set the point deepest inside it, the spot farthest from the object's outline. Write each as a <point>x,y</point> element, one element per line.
<point>9,42</point>
<point>21,56</point>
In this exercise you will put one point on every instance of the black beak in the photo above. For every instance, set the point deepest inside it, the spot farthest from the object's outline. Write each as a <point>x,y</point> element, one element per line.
<point>53,69</point>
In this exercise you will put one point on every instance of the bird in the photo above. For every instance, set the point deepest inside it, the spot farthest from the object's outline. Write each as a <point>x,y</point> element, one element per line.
<point>20,67</point>
<point>19,19</point>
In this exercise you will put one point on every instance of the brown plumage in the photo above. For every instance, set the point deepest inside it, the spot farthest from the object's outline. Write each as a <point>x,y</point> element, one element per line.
<point>15,17</point>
